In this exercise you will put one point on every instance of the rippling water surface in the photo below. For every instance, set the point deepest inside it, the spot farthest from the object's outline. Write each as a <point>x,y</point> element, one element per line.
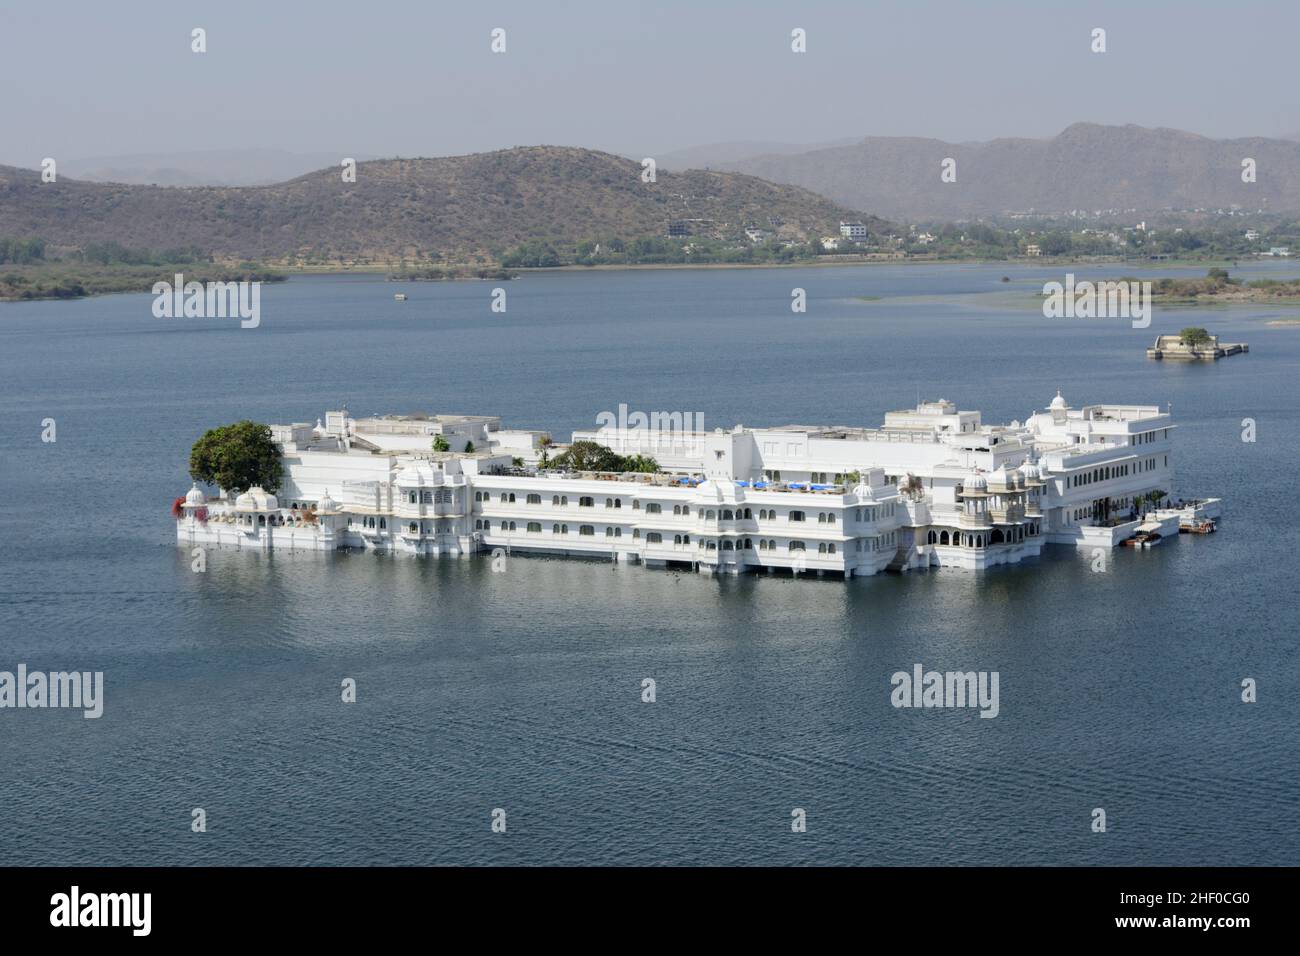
<point>522,690</point>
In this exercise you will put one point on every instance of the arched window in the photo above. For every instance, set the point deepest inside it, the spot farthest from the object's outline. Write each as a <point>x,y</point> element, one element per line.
<point>943,537</point>
<point>797,516</point>
<point>727,515</point>
<point>534,499</point>
<point>586,530</point>
<point>653,509</point>
<point>728,546</point>
<point>831,547</point>
<point>709,515</point>
<point>654,537</point>
<point>534,527</point>
<point>821,548</point>
<point>933,538</point>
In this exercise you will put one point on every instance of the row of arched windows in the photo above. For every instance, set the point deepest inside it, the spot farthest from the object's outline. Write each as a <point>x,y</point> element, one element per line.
<point>969,540</point>
<point>1099,474</point>
<point>535,527</point>
<point>586,501</point>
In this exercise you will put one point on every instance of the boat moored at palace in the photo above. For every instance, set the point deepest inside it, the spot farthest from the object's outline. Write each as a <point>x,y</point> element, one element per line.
<point>932,487</point>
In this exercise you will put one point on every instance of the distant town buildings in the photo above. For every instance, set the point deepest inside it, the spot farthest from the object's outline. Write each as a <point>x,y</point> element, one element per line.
<point>853,231</point>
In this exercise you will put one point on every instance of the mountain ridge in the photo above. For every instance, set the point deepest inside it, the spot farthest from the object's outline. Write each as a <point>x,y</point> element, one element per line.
<point>1087,165</point>
<point>443,207</point>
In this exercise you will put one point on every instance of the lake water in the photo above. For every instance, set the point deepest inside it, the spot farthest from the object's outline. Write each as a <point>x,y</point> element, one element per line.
<point>521,690</point>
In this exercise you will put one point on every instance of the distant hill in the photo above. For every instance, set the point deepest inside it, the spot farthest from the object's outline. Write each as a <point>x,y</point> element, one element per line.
<point>1086,166</point>
<point>213,167</point>
<point>453,206</point>
<point>713,155</point>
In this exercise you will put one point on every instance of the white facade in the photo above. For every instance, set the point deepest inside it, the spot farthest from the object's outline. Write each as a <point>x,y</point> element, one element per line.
<point>933,486</point>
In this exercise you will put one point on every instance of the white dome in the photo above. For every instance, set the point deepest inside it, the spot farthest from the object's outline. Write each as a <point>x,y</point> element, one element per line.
<point>195,497</point>
<point>1029,470</point>
<point>1000,476</point>
<point>1058,402</point>
<point>975,483</point>
<point>256,498</point>
<point>864,491</point>
<point>326,504</point>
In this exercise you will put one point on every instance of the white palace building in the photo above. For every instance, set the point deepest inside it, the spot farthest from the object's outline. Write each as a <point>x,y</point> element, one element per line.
<point>933,486</point>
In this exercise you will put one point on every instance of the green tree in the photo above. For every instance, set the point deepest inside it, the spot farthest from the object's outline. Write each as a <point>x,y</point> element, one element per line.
<point>440,443</point>
<point>587,456</point>
<point>641,463</point>
<point>237,457</point>
<point>590,456</point>
<point>1194,336</point>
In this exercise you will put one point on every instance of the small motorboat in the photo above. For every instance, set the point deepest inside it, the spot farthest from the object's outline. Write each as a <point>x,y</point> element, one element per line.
<point>1203,526</point>
<point>1143,539</point>
<point>399,296</point>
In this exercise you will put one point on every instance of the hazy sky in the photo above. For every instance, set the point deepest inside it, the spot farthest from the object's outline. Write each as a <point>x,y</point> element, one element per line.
<point>417,78</point>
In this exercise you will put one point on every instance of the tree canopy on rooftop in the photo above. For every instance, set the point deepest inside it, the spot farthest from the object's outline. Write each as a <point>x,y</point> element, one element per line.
<point>236,457</point>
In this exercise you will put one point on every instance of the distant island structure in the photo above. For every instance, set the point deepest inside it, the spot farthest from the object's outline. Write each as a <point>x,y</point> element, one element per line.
<point>1194,345</point>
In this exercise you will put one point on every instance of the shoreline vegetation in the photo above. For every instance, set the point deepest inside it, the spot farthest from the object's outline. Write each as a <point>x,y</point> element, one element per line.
<point>1217,286</point>
<point>29,272</point>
